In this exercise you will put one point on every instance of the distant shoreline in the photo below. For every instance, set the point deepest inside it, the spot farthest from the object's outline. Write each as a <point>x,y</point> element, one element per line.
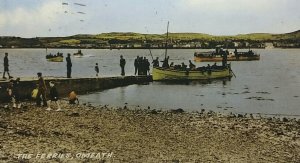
<point>130,40</point>
<point>76,48</point>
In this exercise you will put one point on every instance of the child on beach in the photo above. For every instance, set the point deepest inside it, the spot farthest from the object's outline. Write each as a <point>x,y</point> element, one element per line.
<point>10,94</point>
<point>73,97</point>
<point>53,97</point>
<point>13,93</point>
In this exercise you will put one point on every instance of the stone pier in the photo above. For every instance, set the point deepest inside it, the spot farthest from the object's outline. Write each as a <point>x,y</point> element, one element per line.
<point>79,85</point>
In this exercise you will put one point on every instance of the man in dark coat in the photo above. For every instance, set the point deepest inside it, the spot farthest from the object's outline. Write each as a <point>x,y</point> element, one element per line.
<point>122,64</point>
<point>136,65</point>
<point>97,69</point>
<point>5,61</point>
<point>41,91</point>
<point>69,66</point>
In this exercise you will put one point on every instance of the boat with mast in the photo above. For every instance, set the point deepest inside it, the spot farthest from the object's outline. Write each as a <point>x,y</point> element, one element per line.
<point>169,72</point>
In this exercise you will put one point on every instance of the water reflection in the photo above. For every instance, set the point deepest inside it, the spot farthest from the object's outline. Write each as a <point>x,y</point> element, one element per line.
<point>194,82</point>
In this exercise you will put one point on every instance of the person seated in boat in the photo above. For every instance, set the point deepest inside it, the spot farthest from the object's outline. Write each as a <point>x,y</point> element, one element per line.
<point>208,67</point>
<point>183,66</point>
<point>155,62</point>
<point>166,62</point>
<point>214,66</point>
<point>172,65</point>
<point>177,67</point>
<point>250,52</point>
<point>191,65</point>
<point>236,54</point>
<point>48,56</point>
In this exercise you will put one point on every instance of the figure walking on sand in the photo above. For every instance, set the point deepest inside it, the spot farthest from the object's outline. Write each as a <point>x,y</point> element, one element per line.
<point>69,66</point>
<point>122,64</point>
<point>97,69</point>
<point>53,97</point>
<point>5,61</point>
<point>10,93</point>
<point>16,92</point>
<point>41,91</point>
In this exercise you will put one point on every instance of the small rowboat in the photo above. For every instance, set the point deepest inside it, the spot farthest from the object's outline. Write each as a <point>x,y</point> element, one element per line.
<point>78,54</point>
<point>56,59</point>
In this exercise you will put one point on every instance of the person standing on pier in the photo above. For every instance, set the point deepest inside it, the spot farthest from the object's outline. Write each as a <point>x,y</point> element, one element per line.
<point>97,69</point>
<point>69,66</point>
<point>5,61</point>
<point>122,64</point>
<point>136,65</point>
<point>41,91</point>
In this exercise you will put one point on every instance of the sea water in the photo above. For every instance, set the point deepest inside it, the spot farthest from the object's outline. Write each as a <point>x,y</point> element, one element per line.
<point>269,86</point>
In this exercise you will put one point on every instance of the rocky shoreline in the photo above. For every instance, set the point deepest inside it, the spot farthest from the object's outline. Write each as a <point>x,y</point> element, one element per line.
<point>85,133</point>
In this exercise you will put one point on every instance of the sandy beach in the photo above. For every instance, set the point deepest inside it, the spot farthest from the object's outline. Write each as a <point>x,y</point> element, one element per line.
<point>85,133</point>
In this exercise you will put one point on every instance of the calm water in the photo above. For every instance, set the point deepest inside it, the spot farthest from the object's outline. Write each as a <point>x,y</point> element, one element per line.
<point>271,85</point>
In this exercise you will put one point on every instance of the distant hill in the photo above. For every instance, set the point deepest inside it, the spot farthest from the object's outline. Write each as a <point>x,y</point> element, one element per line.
<point>139,40</point>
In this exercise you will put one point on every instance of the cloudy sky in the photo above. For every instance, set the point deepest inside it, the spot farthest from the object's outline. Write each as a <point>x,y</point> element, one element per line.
<point>38,18</point>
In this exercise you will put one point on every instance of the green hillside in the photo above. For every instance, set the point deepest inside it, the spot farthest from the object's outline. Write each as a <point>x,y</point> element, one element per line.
<point>139,40</point>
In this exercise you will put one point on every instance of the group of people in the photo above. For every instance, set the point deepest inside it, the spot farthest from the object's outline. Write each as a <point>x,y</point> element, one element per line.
<point>181,66</point>
<point>39,94</point>
<point>141,66</point>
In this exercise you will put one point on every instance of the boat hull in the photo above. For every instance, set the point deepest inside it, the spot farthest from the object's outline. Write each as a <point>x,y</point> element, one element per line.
<point>56,59</point>
<point>159,73</point>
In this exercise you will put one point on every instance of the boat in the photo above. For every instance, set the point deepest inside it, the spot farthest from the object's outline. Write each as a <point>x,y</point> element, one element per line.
<point>167,72</point>
<point>216,56</point>
<point>203,73</point>
<point>78,54</point>
<point>55,57</point>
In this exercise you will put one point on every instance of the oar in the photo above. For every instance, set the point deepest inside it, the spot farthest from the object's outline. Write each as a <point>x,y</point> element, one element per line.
<point>232,72</point>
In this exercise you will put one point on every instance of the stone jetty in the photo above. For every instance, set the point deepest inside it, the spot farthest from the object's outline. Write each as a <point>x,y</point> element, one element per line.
<point>80,85</point>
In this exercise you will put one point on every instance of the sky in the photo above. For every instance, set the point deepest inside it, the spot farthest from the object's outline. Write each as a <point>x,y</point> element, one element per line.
<point>52,18</point>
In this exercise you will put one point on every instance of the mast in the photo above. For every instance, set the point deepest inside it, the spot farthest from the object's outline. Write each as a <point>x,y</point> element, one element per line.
<point>149,48</point>
<point>166,51</point>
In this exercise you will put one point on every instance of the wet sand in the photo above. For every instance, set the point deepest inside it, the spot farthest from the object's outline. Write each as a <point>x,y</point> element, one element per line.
<point>144,135</point>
